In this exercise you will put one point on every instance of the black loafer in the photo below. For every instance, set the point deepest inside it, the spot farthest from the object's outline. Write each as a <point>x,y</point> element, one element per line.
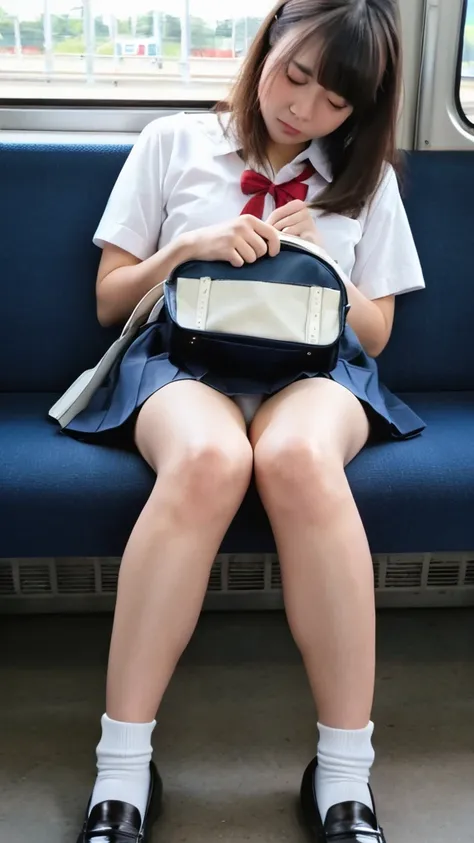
<point>119,822</point>
<point>349,822</point>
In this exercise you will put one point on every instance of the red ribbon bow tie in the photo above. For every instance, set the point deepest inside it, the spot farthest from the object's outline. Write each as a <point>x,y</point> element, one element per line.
<point>254,183</point>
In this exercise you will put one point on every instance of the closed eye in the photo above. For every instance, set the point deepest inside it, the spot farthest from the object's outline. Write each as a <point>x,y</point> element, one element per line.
<point>306,74</point>
<point>302,73</point>
<point>338,105</point>
<point>295,81</point>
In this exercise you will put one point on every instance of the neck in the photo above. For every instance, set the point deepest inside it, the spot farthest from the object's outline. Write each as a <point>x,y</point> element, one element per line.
<point>281,154</point>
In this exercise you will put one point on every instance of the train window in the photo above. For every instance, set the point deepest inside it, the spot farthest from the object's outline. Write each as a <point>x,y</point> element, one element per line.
<point>96,50</point>
<point>466,90</point>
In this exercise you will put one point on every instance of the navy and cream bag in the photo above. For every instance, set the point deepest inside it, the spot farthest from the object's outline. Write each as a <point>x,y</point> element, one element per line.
<point>280,314</point>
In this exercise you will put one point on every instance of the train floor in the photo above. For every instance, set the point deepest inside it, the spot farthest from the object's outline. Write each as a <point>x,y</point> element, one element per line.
<point>237,727</point>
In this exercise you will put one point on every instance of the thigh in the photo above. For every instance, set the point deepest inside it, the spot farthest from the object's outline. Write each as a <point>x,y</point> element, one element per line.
<point>318,411</point>
<point>187,414</point>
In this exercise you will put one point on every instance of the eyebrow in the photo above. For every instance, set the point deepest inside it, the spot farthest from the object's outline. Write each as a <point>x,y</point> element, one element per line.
<point>306,70</point>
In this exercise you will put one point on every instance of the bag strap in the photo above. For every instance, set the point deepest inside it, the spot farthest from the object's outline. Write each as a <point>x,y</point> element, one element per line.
<point>143,309</point>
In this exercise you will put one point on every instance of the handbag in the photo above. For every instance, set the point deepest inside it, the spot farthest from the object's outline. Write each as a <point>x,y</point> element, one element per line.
<point>280,314</point>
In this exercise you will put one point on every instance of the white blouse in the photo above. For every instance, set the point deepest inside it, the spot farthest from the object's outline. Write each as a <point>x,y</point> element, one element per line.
<point>183,174</point>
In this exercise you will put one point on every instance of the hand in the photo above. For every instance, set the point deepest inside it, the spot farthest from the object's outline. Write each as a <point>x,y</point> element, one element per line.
<point>239,241</point>
<point>295,218</point>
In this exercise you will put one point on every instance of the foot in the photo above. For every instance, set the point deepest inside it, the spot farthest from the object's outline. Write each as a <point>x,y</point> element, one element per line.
<point>348,822</point>
<point>119,822</point>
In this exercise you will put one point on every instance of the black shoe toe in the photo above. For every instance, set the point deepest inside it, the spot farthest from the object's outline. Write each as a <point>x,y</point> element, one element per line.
<point>119,822</point>
<point>348,822</point>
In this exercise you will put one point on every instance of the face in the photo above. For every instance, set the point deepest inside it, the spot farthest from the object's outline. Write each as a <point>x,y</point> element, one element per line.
<point>295,107</point>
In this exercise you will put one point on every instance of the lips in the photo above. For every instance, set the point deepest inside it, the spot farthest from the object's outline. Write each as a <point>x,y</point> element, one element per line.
<point>289,129</point>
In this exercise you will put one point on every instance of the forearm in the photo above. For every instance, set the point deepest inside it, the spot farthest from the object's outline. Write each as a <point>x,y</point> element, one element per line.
<point>367,321</point>
<point>121,290</point>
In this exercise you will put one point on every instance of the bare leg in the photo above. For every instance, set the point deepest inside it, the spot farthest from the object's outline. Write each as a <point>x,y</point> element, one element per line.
<point>195,439</point>
<point>303,438</point>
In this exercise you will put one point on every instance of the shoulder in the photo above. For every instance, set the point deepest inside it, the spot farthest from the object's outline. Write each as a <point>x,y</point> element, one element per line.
<point>388,184</point>
<point>177,141</point>
<point>185,128</point>
<point>385,198</point>
<point>387,188</point>
<point>162,128</point>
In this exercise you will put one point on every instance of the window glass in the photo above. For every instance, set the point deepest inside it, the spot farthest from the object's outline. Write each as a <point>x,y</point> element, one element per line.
<point>467,65</point>
<point>134,50</point>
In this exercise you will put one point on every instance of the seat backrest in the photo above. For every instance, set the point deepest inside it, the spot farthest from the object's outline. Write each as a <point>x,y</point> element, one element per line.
<point>52,197</point>
<point>52,200</point>
<point>431,347</point>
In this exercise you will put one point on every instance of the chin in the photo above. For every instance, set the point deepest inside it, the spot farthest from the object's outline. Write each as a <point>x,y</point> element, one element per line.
<point>286,140</point>
<point>282,139</point>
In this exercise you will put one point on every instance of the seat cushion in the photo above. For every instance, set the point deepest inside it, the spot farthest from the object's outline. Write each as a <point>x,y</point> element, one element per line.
<point>60,497</point>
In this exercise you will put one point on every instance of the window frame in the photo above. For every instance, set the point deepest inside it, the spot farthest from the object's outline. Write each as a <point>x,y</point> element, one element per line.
<point>109,116</point>
<point>458,81</point>
<point>441,123</point>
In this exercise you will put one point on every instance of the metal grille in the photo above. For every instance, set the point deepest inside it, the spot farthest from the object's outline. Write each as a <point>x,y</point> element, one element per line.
<point>376,573</point>
<point>35,577</point>
<point>275,575</point>
<point>109,571</point>
<point>445,572</point>
<point>246,573</point>
<point>401,572</point>
<point>74,577</point>
<point>215,580</point>
<point>7,582</point>
<point>469,579</point>
<point>245,581</point>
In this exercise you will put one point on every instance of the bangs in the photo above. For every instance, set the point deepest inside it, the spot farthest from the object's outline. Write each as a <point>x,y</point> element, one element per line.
<point>350,58</point>
<point>352,66</point>
<point>353,48</point>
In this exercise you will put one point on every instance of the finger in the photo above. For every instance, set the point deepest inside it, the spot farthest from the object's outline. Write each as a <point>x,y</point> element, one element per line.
<point>269,234</point>
<point>264,229</point>
<point>235,259</point>
<point>275,216</point>
<point>290,208</point>
<point>295,230</point>
<point>245,250</point>
<point>258,244</point>
<point>300,218</point>
<point>274,244</point>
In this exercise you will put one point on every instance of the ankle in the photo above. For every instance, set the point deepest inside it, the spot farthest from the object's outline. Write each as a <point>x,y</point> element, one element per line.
<point>123,763</point>
<point>345,759</point>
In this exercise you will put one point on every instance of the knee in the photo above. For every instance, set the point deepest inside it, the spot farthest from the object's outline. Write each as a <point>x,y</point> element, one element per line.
<point>208,477</point>
<point>298,476</point>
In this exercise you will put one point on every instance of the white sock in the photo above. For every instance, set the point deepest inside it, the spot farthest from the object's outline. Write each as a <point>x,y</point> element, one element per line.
<point>344,762</point>
<point>123,763</point>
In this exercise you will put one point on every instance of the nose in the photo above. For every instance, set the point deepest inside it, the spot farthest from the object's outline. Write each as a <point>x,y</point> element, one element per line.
<point>305,102</point>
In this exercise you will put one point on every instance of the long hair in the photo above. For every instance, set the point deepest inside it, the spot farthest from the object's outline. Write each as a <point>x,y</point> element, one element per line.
<point>355,41</point>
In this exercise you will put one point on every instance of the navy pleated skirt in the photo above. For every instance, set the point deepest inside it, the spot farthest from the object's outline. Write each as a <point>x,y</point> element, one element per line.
<point>145,368</point>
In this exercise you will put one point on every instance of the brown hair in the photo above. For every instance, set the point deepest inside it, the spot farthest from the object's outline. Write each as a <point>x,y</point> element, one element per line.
<point>357,39</point>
